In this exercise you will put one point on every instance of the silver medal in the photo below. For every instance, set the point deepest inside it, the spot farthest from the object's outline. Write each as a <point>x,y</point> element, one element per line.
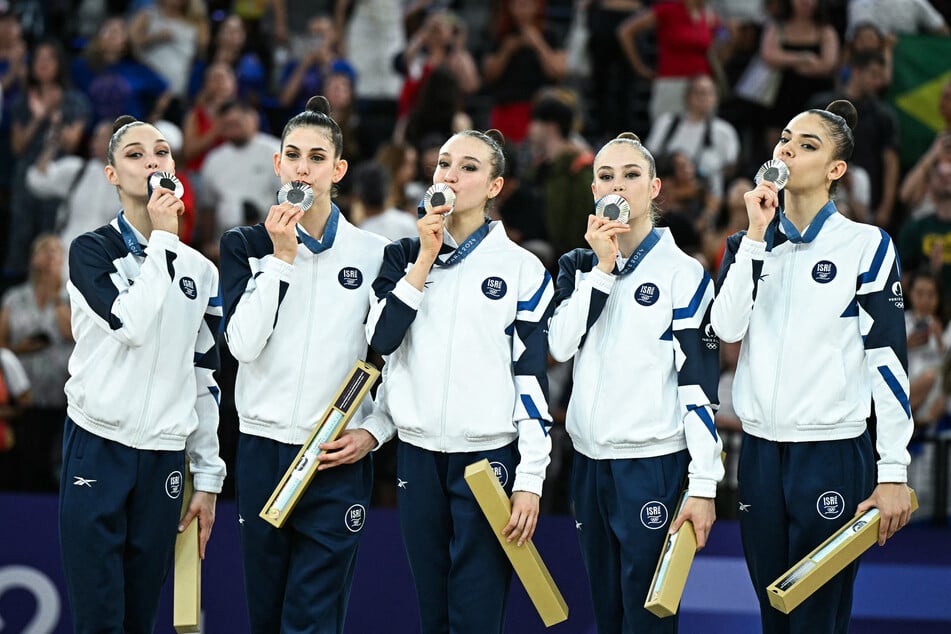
<point>774,171</point>
<point>297,193</point>
<point>613,207</point>
<point>166,180</point>
<point>438,195</point>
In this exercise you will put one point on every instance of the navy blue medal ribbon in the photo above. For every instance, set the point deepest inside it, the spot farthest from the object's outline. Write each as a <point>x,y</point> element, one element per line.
<point>792,234</point>
<point>467,246</point>
<point>128,236</point>
<point>640,253</point>
<point>330,232</point>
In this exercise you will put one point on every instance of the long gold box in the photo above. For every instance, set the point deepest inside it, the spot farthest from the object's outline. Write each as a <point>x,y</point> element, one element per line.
<point>673,566</point>
<point>525,559</point>
<point>186,586</point>
<point>298,476</point>
<point>828,559</point>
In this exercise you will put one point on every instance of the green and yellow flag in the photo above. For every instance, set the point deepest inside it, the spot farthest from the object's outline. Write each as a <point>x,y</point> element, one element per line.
<point>922,67</point>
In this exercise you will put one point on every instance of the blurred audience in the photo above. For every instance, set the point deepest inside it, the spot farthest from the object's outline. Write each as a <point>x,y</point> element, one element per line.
<point>48,111</point>
<point>230,47</point>
<point>238,180</point>
<point>925,243</point>
<point>116,83</point>
<point>371,183</point>
<point>685,33</point>
<point>202,124</point>
<point>75,182</point>
<point>711,143</point>
<point>804,48</point>
<point>14,397</point>
<point>34,325</point>
<point>561,174</point>
<point>526,56</point>
<point>898,17</point>
<point>168,36</point>
<point>876,134</point>
<point>305,75</point>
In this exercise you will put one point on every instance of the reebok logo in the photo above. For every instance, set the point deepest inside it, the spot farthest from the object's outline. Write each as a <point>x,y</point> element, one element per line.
<point>80,481</point>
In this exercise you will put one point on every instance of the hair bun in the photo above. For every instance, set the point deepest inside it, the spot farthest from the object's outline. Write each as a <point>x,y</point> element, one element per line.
<point>122,121</point>
<point>496,136</point>
<point>629,135</point>
<point>846,110</point>
<point>319,103</point>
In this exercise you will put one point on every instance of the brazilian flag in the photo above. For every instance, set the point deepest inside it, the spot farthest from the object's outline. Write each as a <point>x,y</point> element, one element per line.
<point>922,66</point>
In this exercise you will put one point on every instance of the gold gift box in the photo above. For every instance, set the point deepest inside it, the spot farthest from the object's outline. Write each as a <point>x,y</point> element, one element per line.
<point>298,476</point>
<point>673,566</point>
<point>828,559</point>
<point>525,559</point>
<point>186,587</point>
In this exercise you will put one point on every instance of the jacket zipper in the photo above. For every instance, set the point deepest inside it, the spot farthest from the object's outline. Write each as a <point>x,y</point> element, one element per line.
<point>789,271</point>
<point>148,393</point>
<point>306,348</point>
<point>611,308</point>
<point>452,328</point>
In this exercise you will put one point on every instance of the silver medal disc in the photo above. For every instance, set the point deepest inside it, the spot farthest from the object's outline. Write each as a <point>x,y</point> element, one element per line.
<point>297,193</point>
<point>166,180</point>
<point>613,207</point>
<point>774,171</point>
<point>438,195</point>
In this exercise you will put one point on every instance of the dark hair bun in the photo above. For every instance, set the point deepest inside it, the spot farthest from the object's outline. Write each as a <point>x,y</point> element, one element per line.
<point>629,135</point>
<point>496,136</point>
<point>846,110</point>
<point>122,121</point>
<point>319,103</point>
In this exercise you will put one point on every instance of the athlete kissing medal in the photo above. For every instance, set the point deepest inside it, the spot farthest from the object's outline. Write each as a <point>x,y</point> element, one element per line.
<point>297,193</point>
<point>613,207</point>
<point>438,195</point>
<point>774,171</point>
<point>166,180</point>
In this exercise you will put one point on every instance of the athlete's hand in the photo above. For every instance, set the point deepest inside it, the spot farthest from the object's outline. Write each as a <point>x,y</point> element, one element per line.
<point>281,225</point>
<point>893,502</point>
<point>430,228</point>
<point>202,506</point>
<point>164,209</point>
<point>349,447</point>
<point>524,518</point>
<point>602,237</point>
<point>761,204</point>
<point>702,513</point>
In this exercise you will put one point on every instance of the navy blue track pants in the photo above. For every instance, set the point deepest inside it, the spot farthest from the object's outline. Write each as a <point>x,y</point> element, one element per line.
<point>119,510</point>
<point>461,573</point>
<point>793,496</point>
<point>297,578</point>
<point>623,510</point>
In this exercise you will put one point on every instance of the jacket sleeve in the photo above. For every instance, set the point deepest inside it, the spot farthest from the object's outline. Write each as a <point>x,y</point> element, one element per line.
<point>251,298</point>
<point>201,446</point>
<point>736,288</point>
<point>697,358</point>
<point>577,307</point>
<point>126,309</point>
<point>377,420</point>
<point>530,365</point>
<point>879,305</point>
<point>397,301</point>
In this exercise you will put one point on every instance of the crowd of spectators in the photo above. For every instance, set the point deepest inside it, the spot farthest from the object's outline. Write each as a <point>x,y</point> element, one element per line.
<point>708,83</point>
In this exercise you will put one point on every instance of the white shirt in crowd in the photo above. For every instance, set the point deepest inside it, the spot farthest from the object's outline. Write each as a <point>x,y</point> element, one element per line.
<point>392,224</point>
<point>234,174</point>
